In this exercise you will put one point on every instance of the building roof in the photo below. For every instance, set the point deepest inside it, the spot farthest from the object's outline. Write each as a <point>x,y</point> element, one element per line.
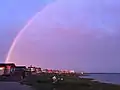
<point>4,64</point>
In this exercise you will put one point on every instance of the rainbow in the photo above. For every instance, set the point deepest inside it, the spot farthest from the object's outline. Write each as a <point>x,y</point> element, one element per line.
<point>18,37</point>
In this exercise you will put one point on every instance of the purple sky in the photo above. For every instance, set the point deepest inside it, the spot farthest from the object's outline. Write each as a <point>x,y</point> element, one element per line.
<point>14,14</point>
<point>79,34</point>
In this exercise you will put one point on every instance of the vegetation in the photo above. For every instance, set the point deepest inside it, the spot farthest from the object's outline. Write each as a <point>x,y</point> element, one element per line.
<point>44,82</point>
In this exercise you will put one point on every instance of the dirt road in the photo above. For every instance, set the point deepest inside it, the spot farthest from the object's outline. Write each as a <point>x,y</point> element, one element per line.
<point>13,86</point>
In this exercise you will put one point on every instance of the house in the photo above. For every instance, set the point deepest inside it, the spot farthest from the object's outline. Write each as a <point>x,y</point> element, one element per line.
<point>7,68</point>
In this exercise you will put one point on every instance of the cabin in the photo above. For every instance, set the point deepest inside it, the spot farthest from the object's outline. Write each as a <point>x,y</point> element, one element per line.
<point>38,70</point>
<point>7,69</point>
<point>19,70</point>
<point>34,70</point>
<point>31,70</point>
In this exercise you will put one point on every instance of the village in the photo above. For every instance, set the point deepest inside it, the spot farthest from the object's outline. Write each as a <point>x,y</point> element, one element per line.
<point>47,79</point>
<point>14,72</point>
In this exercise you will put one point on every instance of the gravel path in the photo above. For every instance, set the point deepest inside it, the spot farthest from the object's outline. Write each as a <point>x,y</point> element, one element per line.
<point>13,86</point>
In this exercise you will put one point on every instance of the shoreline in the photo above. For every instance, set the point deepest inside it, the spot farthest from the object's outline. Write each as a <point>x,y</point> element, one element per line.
<point>69,83</point>
<point>101,73</point>
<point>108,81</point>
<point>103,81</point>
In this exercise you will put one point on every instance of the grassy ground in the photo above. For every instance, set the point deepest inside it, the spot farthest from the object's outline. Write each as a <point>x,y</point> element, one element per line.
<point>44,82</point>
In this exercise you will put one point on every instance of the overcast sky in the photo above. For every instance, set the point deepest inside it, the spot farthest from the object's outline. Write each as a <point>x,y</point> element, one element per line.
<point>72,34</point>
<point>14,14</point>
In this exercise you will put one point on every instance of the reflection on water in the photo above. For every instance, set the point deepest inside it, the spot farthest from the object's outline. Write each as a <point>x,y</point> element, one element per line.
<point>107,78</point>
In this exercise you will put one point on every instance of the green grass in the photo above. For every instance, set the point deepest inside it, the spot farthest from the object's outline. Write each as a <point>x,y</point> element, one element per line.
<point>44,82</point>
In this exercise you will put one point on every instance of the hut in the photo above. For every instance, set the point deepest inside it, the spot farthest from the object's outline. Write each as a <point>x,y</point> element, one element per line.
<point>6,69</point>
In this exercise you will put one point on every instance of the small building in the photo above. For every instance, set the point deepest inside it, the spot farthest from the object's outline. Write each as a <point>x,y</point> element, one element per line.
<point>34,70</point>
<point>38,70</point>
<point>19,70</point>
<point>7,68</point>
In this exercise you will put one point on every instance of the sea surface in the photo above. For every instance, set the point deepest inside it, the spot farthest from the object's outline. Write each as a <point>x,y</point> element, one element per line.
<point>107,78</point>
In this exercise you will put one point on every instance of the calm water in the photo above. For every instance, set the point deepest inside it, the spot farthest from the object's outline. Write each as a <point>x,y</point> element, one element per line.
<point>108,78</point>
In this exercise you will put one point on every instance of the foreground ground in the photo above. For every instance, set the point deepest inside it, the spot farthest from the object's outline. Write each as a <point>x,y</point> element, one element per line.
<point>44,82</point>
<point>13,86</point>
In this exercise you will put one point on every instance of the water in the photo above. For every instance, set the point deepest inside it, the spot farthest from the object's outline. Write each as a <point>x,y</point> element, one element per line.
<point>107,78</point>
